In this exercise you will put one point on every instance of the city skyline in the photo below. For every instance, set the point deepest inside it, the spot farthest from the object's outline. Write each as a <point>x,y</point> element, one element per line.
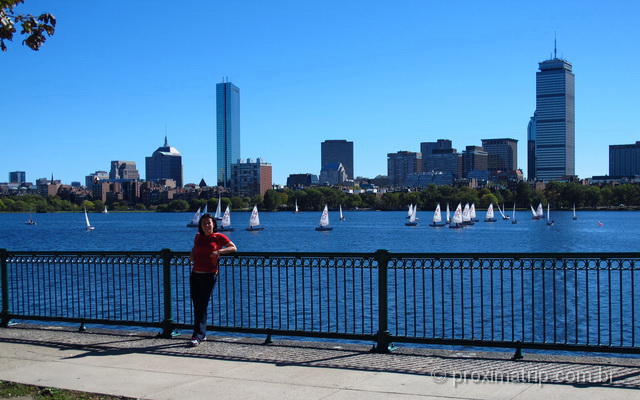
<point>385,81</point>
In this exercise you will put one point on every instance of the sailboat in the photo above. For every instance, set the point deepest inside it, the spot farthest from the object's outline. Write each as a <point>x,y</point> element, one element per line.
<point>437,218</point>
<point>104,211</point>
<point>549,220</point>
<point>225,223</point>
<point>412,217</point>
<point>218,215</point>
<point>535,215</point>
<point>195,219</point>
<point>86,217</point>
<point>456,222</point>
<point>575,217</point>
<point>342,218</point>
<point>254,220</point>
<point>30,221</point>
<point>513,219</point>
<point>410,211</point>
<point>448,215</point>
<point>472,212</point>
<point>297,211</point>
<point>504,216</point>
<point>466,215</point>
<point>324,220</point>
<point>489,216</point>
<point>539,211</point>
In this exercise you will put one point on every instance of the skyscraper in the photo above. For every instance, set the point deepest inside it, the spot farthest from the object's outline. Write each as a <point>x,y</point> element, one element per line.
<point>164,163</point>
<point>337,151</point>
<point>555,120</point>
<point>624,159</point>
<point>228,130</point>
<point>401,164</point>
<point>502,154</point>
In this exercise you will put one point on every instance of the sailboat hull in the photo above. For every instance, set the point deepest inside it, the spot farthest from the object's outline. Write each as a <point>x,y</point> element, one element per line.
<point>437,224</point>
<point>255,228</point>
<point>324,228</point>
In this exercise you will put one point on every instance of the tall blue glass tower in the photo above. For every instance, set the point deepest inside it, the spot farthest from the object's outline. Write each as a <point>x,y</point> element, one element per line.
<point>228,128</point>
<point>554,121</point>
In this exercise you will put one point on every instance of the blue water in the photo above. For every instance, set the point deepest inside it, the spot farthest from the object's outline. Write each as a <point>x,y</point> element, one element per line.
<point>363,231</point>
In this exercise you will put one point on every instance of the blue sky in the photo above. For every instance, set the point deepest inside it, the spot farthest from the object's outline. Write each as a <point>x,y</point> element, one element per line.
<point>386,75</point>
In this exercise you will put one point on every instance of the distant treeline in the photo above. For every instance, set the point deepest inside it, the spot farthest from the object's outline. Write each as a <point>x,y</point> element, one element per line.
<point>558,195</point>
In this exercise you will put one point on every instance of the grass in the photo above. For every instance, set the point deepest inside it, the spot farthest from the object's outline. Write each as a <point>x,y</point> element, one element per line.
<point>10,390</point>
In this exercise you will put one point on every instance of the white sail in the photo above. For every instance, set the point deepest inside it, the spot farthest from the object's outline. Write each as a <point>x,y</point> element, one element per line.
<point>254,220</point>
<point>539,211</point>
<point>448,214</point>
<point>457,215</point>
<point>514,211</point>
<point>105,211</point>
<point>574,211</point>
<point>297,206</point>
<point>437,217</point>
<point>196,217</point>
<point>472,211</point>
<point>548,212</point>
<point>533,212</point>
<point>86,218</point>
<point>490,211</point>
<point>204,211</point>
<point>226,218</point>
<point>410,211</point>
<point>218,209</point>
<point>500,210</point>
<point>414,211</point>
<point>341,216</point>
<point>324,219</point>
<point>466,213</point>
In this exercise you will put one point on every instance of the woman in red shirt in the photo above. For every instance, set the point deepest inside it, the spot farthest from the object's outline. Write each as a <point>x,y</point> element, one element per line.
<point>208,246</point>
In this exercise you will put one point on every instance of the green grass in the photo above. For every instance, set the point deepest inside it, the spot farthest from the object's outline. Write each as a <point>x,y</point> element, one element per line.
<point>9,390</point>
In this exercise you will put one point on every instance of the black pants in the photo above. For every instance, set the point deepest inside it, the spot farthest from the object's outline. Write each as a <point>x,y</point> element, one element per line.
<point>201,289</point>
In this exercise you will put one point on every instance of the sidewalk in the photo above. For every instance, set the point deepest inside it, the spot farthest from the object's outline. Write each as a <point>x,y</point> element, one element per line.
<point>137,365</point>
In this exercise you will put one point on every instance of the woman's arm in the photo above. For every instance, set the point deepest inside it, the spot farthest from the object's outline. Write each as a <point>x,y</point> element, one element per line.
<point>226,249</point>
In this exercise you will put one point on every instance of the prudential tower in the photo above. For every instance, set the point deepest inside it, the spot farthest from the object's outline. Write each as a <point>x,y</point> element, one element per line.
<point>228,130</point>
<point>554,148</point>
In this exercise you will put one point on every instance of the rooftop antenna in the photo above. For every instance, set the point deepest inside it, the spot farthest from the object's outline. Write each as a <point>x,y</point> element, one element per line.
<point>555,50</point>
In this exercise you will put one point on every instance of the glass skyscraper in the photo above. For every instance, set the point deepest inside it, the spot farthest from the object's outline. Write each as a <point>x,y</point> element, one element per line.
<point>554,121</point>
<point>228,128</point>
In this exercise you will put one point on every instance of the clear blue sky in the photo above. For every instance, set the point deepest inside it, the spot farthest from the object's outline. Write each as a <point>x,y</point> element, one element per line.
<point>386,75</point>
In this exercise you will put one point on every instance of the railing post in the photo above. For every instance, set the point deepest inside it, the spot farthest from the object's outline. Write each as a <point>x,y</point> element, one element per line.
<point>383,337</point>
<point>168,324</point>
<point>5,314</point>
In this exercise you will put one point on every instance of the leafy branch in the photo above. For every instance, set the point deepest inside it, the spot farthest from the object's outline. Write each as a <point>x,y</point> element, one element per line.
<point>34,28</point>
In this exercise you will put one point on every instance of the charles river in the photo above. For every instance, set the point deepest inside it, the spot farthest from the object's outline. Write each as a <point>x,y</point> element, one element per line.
<point>362,231</point>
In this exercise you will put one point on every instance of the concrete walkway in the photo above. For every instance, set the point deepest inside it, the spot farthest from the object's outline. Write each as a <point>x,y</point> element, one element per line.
<point>137,365</point>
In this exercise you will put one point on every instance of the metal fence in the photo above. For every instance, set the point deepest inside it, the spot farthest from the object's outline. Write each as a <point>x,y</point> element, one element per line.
<point>547,301</point>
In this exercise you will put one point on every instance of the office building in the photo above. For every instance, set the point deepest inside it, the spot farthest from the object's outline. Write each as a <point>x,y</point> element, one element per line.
<point>17,177</point>
<point>251,178</point>
<point>554,121</point>
<point>164,163</point>
<point>333,174</point>
<point>124,170</point>
<point>624,159</point>
<point>98,175</point>
<point>474,158</point>
<point>228,130</point>
<point>337,151</point>
<point>401,164</point>
<point>531,148</point>
<point>301,180</point>
<point>502,154</point>
<point>429,148</point>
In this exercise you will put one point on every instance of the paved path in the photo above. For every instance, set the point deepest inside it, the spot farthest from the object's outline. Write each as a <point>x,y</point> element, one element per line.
<point>137,365</point>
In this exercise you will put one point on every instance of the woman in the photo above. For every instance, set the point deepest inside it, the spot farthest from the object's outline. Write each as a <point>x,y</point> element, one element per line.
<point>208,246</point>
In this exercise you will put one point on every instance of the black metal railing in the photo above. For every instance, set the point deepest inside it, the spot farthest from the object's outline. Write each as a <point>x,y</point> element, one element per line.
<point>562,301</point>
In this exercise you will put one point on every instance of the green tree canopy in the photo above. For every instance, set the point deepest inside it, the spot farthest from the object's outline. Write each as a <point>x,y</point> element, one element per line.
<point>34,28</point>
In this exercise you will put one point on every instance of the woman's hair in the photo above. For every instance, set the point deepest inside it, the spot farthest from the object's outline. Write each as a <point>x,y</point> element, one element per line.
<point>207,215</point>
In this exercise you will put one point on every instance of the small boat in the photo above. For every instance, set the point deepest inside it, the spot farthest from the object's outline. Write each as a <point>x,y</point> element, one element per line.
<point>324,220</point>
<point>437,218</point>
<point>504,216</point>
<point>456,221</point>
<point>513,218</point>
<point>225,222</point>
<point>105,211</point>
<point>412,217</point>
<point>195,219</point>
<point>410,211</point>
<point>489,216</point>
<point>575,217</point>
<point>472,213</point>
<point>535,215</point>
<point>86,218</point>
<point>218,215</point>
<point>296,210</point>
<point>30,221</point>
<point>466,215</point>
<point>342,218</point>
<point>549,220</point>
<point>539,211</point>
<point>254,220</point>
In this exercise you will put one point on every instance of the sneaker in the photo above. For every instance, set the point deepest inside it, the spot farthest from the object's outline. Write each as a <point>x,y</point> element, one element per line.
<point>194,342</point>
